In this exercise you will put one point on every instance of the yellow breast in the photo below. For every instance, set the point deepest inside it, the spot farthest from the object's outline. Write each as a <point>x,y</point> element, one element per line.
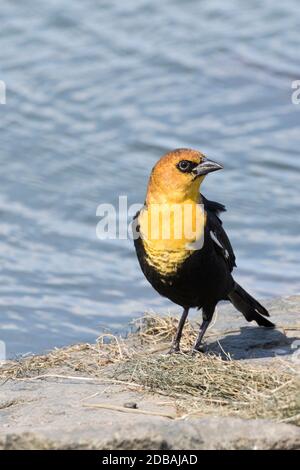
<point>170,233</point>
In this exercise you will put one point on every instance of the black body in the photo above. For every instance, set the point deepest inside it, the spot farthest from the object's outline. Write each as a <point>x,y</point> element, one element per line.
<point>205,277</point>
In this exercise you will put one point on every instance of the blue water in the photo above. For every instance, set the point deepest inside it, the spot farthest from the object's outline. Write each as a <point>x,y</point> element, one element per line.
<point>97,91</point>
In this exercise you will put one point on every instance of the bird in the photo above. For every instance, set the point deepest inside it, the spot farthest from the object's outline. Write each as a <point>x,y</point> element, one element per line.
<point>189,259</point>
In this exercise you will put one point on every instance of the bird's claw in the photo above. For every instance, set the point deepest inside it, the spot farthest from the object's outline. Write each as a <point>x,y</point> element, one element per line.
<point>175,349</point>
<point>198,350</point>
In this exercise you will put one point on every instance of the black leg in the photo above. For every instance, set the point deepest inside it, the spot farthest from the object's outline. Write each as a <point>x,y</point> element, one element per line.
<point>207,313</point>
<point>176,343</point>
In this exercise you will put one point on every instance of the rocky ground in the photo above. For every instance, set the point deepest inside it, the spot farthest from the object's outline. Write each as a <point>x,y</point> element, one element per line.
<point>57,409</point>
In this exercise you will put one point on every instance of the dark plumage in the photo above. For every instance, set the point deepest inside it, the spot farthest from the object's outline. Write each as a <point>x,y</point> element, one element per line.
<point>190,278</point>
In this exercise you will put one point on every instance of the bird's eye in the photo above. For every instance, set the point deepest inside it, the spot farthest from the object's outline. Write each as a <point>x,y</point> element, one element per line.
<point>184,166</point>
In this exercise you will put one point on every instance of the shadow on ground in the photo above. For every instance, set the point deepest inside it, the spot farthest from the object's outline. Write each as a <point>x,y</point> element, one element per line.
<point>255,343</point>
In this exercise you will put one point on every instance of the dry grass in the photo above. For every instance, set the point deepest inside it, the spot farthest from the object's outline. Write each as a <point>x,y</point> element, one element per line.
<point>201,385</point>
<point>89,359</point>
<point>153,329</point>
<point>209,385</point>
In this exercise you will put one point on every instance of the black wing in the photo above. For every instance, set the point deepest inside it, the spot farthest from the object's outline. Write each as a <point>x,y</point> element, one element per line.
<point>217,232</point>
<point>213,206</point>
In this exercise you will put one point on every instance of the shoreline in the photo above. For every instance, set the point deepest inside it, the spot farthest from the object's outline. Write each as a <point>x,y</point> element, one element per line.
<point>110,396</point>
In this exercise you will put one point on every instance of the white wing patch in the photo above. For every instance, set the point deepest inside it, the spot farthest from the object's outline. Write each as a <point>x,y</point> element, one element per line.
<point>217,242</point>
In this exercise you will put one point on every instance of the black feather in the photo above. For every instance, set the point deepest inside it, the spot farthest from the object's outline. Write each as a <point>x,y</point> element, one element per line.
<point>249,307</point>
<point>215,224</point>
<point>204,278</point>
<point>213,206</point>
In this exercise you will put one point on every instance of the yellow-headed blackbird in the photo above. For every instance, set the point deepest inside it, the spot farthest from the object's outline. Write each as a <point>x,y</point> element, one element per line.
<point>182,247</point>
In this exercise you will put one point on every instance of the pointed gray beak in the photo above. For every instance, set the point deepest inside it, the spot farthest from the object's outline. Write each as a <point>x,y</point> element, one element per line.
<point>207,166</point>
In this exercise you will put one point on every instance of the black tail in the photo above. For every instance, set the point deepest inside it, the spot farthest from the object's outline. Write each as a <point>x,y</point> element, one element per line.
<point>249,307</point>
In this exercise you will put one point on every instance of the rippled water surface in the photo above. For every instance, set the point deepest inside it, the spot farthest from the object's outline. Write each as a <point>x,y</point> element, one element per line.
<point>96,92</point>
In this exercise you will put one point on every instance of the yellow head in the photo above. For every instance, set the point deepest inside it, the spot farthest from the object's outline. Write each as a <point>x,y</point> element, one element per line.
<point>172,219</point>
<point>177,176</point>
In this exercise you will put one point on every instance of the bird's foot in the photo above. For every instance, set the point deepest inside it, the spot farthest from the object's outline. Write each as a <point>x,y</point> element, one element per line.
<point>175,349</point>
<point>201,349</point>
